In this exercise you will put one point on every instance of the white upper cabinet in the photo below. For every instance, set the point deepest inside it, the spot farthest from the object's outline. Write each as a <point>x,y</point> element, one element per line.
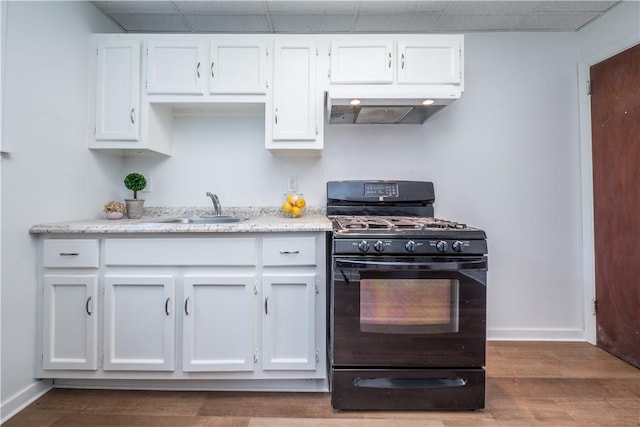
<point>238,67</point>
<point>293,118</point>
<point>433,61</point>
<point>118,90</point>
<point>176,67</point>
<point>362,61</point>
<point>419,60</point>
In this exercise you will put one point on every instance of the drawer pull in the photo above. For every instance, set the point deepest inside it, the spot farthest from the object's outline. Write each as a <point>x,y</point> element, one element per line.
<point>186,306</point>
<point>86,306</point>
<point>166,306</point>
<point>69,254</point>
<point>289,252</point>
<point>266,305</point>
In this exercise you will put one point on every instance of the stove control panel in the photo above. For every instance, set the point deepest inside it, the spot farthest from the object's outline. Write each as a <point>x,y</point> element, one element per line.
<point>409,246</point>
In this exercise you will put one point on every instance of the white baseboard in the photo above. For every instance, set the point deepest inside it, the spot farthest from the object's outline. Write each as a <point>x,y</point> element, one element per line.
<point>24,398</point>
<point>516,334</point>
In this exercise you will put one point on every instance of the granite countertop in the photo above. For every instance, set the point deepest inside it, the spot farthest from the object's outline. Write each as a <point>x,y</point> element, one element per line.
<point>260,220</point>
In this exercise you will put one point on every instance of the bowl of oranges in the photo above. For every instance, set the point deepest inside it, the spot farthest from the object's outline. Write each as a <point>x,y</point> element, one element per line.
<point>293,205</point>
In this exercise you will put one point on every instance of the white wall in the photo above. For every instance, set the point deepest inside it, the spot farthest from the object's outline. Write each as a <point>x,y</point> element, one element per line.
<point>505,158</point>
<point>50,175</point>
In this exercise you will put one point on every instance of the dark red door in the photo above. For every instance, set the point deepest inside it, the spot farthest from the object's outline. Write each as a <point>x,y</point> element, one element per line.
<point>615,123</point>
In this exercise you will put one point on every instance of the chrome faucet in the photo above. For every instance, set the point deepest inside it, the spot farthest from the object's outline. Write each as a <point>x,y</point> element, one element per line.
<point>217,207</point>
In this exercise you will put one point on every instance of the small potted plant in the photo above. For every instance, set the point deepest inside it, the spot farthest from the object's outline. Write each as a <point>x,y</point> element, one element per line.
<point>135,182</point>
<point>113,210</point>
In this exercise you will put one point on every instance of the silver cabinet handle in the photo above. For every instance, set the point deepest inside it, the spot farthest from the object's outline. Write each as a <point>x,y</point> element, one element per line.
<point>402,63</point>
<point>131,116</point>
<point>69,254</point>
<point>86,306</point>
<point>186,306</point>
<point>166,306</point>
<point>289,252</point>
<point>276,116</point>
<point>389,59</point>
<point>198,69</point>
<point>212,75</point>
<point>266,305</point>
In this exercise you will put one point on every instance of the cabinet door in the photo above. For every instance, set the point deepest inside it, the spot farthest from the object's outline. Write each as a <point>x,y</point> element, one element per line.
<point>175,67</point>
<point>362,61</point>
<point>219,323</point>
<point>139,323</point>
<point>435,61</point>
<point>118,90</point>
<point>70,322</point>
<point>238,67</point>
<point>288,327</point>
<point>294,98</point>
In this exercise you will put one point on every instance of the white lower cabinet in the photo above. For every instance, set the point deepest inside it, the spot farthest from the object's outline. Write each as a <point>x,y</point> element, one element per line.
<point>289,319</point>
<point>219,323</point>
<point>70,334</point>
<point>139,323</point>
<point>238,311</point>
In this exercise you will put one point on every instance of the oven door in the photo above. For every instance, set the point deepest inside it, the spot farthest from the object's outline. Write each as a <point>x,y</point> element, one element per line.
<point>408,312</point>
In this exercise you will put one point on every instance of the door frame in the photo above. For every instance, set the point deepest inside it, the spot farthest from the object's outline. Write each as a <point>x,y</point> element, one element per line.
<point>586,167</point>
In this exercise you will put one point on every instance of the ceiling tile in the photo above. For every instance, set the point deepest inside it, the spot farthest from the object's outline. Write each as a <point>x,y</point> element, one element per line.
<point>221,7</point>
<point>478,22</point>
<point>312,24</point>
<point>111,7</point>
<point>395,7</point>
<point>574,6</point>
<point>228,23</point>
<point>419,23</point>
<point>312,7</point>
<point>490,7</point>
<point>150,22</point>
<point>556,21</point>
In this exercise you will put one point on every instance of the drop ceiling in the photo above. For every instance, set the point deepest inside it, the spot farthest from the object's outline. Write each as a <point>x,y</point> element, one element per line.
<point>349,16</point>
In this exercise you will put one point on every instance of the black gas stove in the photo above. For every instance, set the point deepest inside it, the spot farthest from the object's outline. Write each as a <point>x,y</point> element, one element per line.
<point>395,217</point>
<point>407,300</point>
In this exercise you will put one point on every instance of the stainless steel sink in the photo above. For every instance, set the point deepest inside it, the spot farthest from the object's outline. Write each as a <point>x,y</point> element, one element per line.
<point>218,219</point>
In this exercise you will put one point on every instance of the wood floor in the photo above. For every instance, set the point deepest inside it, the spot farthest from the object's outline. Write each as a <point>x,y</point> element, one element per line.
<point>528,384</point>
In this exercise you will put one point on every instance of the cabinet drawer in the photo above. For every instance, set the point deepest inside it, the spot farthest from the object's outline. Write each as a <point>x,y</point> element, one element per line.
<point>194,251</point>
<point>74,253</point>
<point>289,251</point>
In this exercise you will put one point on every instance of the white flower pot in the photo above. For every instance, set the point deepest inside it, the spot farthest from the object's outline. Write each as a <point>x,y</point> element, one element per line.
<point>134,208</point>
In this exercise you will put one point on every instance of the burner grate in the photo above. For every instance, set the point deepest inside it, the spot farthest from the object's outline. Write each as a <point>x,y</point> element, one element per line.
<point>391,224</point>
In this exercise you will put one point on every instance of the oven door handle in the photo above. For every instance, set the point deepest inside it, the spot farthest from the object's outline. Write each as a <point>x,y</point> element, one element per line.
<point>445,265</point>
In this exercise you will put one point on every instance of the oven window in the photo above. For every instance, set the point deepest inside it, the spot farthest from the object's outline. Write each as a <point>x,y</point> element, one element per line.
<point>408,306</point>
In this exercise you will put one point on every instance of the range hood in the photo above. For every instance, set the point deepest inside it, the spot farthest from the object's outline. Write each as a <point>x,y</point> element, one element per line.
<point>386,105</point>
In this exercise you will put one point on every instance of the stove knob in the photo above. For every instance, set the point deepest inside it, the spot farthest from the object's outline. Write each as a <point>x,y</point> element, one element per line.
<point>457,246</point>
<point>442,246</point>
<point>363,246</point>
<point>378,246</point>
<point>410,246</point>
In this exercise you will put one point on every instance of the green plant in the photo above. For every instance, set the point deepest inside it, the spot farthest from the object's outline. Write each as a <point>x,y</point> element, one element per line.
<point>135,182</point>
<point>113,206</point>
